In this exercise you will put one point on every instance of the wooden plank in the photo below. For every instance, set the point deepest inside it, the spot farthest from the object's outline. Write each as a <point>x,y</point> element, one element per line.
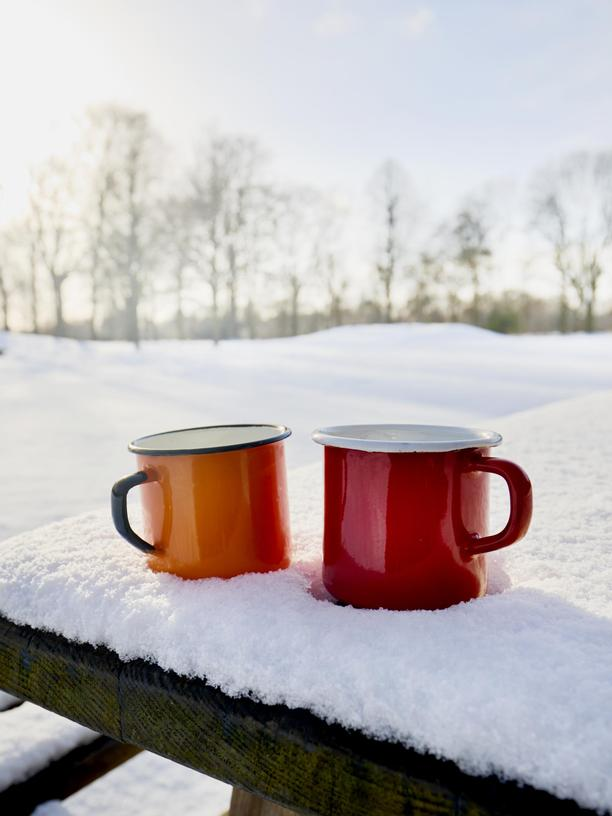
<point>247,804</point>
<point>64,776</point>
<point>286,755</point>
<point>58,680</point>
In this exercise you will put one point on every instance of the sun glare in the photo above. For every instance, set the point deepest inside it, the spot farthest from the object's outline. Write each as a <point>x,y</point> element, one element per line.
<point>49,72</point>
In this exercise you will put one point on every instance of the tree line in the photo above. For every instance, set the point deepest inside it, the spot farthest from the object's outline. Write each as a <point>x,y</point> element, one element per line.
<point>220,250</point>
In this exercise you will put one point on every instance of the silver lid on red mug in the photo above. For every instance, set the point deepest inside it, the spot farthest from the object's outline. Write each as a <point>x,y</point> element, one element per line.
<point>405,438</point>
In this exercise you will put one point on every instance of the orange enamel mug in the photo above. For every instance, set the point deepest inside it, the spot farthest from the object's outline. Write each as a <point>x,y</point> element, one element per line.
<point>214,500</point>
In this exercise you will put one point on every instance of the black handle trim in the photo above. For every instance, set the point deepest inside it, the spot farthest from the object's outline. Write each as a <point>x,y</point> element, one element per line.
<point>119,509</point>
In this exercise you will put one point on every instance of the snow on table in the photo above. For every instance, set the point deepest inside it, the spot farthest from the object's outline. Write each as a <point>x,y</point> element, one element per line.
<point>518,683</point>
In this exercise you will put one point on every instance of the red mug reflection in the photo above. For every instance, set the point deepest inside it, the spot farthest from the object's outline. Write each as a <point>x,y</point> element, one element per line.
<point>408,529</point>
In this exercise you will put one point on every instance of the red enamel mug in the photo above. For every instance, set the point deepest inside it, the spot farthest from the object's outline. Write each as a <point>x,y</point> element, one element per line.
<point>406,513</point>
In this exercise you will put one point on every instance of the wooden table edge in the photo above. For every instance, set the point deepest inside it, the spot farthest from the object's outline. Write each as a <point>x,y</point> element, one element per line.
<point>289,756</point>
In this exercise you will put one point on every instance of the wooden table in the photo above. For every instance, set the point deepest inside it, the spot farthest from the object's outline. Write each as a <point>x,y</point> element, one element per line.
<point>279,760</point>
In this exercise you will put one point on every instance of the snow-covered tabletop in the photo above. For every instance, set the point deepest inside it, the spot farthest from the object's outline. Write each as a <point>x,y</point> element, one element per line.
<point>518,683</point>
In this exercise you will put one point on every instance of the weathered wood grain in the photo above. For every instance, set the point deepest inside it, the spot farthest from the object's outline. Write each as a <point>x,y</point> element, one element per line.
<point>36,662</point>
<point>286,755</point>
<point>65,776</point>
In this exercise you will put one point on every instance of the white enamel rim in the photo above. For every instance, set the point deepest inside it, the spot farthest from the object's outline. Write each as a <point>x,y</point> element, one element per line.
<point>405,438</point>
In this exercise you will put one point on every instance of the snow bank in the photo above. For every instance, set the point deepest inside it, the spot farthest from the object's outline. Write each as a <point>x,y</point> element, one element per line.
<point>519,682</point>
<point>147,784</point>
<point>47,737</point>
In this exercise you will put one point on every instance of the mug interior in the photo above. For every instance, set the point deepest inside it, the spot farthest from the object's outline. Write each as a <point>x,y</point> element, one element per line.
<point>209,439</point>
<point>405,438</point>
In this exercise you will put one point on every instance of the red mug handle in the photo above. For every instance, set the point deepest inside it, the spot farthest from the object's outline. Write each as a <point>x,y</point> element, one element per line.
<point>521,505</point>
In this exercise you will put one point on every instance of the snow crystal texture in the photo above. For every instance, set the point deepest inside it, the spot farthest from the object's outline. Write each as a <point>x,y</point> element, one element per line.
<point>518,683</point>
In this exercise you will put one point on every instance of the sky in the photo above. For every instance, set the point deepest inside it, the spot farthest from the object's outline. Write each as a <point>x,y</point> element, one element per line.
<point>459,92</point>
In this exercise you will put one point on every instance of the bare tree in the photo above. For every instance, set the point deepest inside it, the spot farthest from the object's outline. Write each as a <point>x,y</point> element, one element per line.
<point>470,234</point>
<point>244,158</point>
<point>336,285</point>
<point>130,212</point>
<point>572,209</point>
<point>24,239</point>
<point>295,229</point>
<point>5,289</point>
<point>53,220</point>
<point>210,182</point>
<point>100,162</point>
<point>32,249</point>
<point>226,188</point>
<point>259,248</point>
<point>5,292</point>
<point>426,274</point>
<point>393,203</point>
<point>552,223</point>
<point>178,240</point>
<point>329,259</point>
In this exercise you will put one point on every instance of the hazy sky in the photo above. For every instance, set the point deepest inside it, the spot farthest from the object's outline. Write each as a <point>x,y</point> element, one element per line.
<point>459,92</point>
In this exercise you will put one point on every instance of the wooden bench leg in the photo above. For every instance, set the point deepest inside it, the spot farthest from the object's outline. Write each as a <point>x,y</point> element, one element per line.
<point>248,804</point>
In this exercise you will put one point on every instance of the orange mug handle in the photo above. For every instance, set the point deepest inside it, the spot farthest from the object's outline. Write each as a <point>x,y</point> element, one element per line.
<point>521,505</point>
<point>120,513</point>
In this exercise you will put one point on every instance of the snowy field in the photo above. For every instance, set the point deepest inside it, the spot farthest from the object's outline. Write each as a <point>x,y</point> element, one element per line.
<point>68,411</point>
<point>68,408</point>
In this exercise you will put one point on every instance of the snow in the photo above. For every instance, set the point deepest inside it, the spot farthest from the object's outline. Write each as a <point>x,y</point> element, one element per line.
<point>48,737</point>
<point>7,701</point>
<point>72,407</point>
<point>519,682</point>
<point>147,784</point>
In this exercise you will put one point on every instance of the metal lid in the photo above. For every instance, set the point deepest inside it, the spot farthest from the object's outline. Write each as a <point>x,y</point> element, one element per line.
<point>405,438</point>
<point>208,439</point>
